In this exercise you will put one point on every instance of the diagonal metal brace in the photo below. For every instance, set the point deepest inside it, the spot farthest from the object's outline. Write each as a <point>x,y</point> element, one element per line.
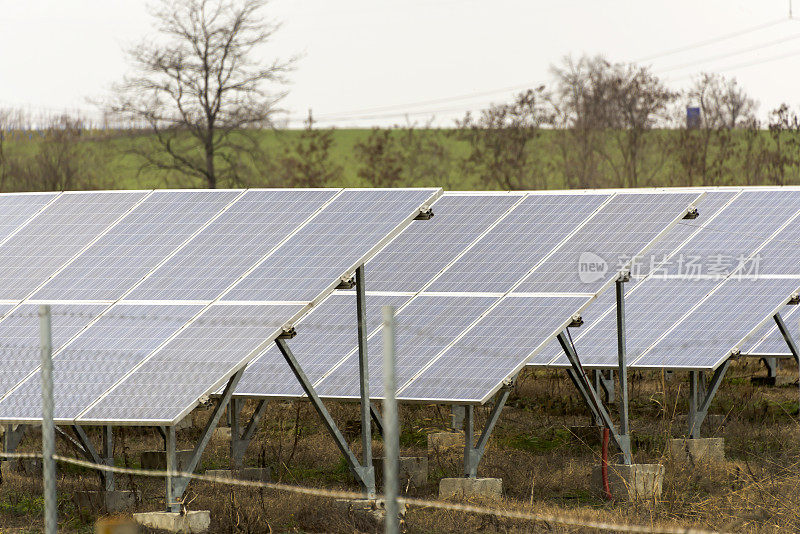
<point>86,447</point>
<point>699,410</point>
<point>787,336</point>
<point>377,420</point>
<point>179,483</point>
<point>361,473</point>
<point>623,442</point>
<point>473,455</point>
<point>239,443</point>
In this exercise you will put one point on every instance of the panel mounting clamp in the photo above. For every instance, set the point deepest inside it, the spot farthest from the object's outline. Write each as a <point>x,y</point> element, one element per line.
<point>794,300</point>
<point>691,213</point>
<point>287,333</point>
<point>425,214</point>
<point>577,321</point>
<point>347,282</point>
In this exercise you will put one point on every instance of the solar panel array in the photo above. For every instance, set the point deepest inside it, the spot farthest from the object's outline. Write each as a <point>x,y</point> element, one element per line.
<point>144,287</point>
<point>467,320</point>
<point>687,314</point>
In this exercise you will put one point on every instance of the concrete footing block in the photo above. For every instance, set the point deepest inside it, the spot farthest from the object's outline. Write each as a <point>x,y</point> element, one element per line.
<point>158,459</point>
<point>412,471</point>
<point>115,525</point>
<point>445,444</point>
<point>470,488</point>
<point>256,474</point>
<point>195,522</point>
<point>107,501</point>
<point>699,450</point>
<point>635,482</point>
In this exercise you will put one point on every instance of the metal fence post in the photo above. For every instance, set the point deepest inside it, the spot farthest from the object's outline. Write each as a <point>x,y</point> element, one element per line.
<point>391,435</point>
<point>48,428</point>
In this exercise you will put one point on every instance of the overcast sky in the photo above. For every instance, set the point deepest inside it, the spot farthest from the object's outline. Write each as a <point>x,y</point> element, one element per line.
<point>370,62</point>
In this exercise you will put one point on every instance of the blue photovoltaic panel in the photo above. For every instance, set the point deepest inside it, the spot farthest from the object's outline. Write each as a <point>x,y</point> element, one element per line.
<point>193,364</point>
<point>60,231</point>
<point>619,231</point>
<point>136,245</point>
<point>650,310</point>
<point>705,337</point>
<point>494,350</point>
<point>97,358</point>
<point>782,254</point>
<point>414,257</point>
<point>15,209</point>
<point>745,224</point>
<point>324,337</point>
<point>232,244</point>
<point>522,239</point>
<point>20,348</point>
<point>708,207</point>
<point>423,329</point>
<point>5,308</point>
<point>339,237</point>
<point>769,339</point>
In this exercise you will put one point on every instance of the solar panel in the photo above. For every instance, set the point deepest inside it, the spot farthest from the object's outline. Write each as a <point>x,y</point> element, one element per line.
<point>522,239</point>
<point>424,328</point>
<point>135,245</point>
<point>347,230</point>
<point>494,350</point>
<point>168,384</point>
<point>612,237</point>
<point>97,358</point>
<point>414,257</point>
<point>324,337</point>
<point>769,340</point>
<point>706,336</point>
<point>233,243</point>
<point>780,255</point>
<point>58,233</point>
<point>17,208</point>
<point>650,310</point>
<point>20,349</point>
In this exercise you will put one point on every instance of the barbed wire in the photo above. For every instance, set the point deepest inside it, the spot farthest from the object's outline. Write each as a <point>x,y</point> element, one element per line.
<point>562,519</point>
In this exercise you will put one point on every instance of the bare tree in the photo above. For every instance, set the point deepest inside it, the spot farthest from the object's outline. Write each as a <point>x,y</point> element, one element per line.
<point>502,142</point>
<point>200,88</point>
<point>306,158</point>
<point>705,152</point>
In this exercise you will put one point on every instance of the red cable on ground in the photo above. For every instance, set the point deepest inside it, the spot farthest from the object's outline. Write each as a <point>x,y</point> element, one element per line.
<point>604,465</point>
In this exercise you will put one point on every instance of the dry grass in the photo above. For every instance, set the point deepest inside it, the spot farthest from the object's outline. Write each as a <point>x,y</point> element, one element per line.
<point>545,468</point>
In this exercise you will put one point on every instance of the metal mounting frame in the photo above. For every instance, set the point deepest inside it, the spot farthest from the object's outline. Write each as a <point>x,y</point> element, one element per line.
<point>700,397</point>
<point>83,444</point>
<point>473,454</point>
<point>604,383</point>
<point>176,485</point>
<point>240,439</point>
<point>12,436</point>
<point>790,341</point>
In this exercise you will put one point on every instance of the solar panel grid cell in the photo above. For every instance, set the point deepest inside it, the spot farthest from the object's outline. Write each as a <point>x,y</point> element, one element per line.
<point>15,210</point>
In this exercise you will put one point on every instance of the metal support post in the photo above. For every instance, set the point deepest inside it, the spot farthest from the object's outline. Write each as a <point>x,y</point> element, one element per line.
<point>233,411</point>
<point>700,397</point>
<point>361,474</point>
<point>363,374</point>
<point>790,341</point>
<point>392,436</point>
<point>162,430</point>
<point>772,366</point>
<point>473,455</point>
<point>579,385</point>
<point>180,483</point>
<point>108,452</point>
<point>239,443</point>
<point>622,356</point>
<point>172,464</point>
<point>48,428</point>
<point>12,436</point>
<point>579,377</point>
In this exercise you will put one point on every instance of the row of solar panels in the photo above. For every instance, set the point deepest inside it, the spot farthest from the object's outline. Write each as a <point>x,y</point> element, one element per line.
<point>228,270</point>
<point>482,288</point>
